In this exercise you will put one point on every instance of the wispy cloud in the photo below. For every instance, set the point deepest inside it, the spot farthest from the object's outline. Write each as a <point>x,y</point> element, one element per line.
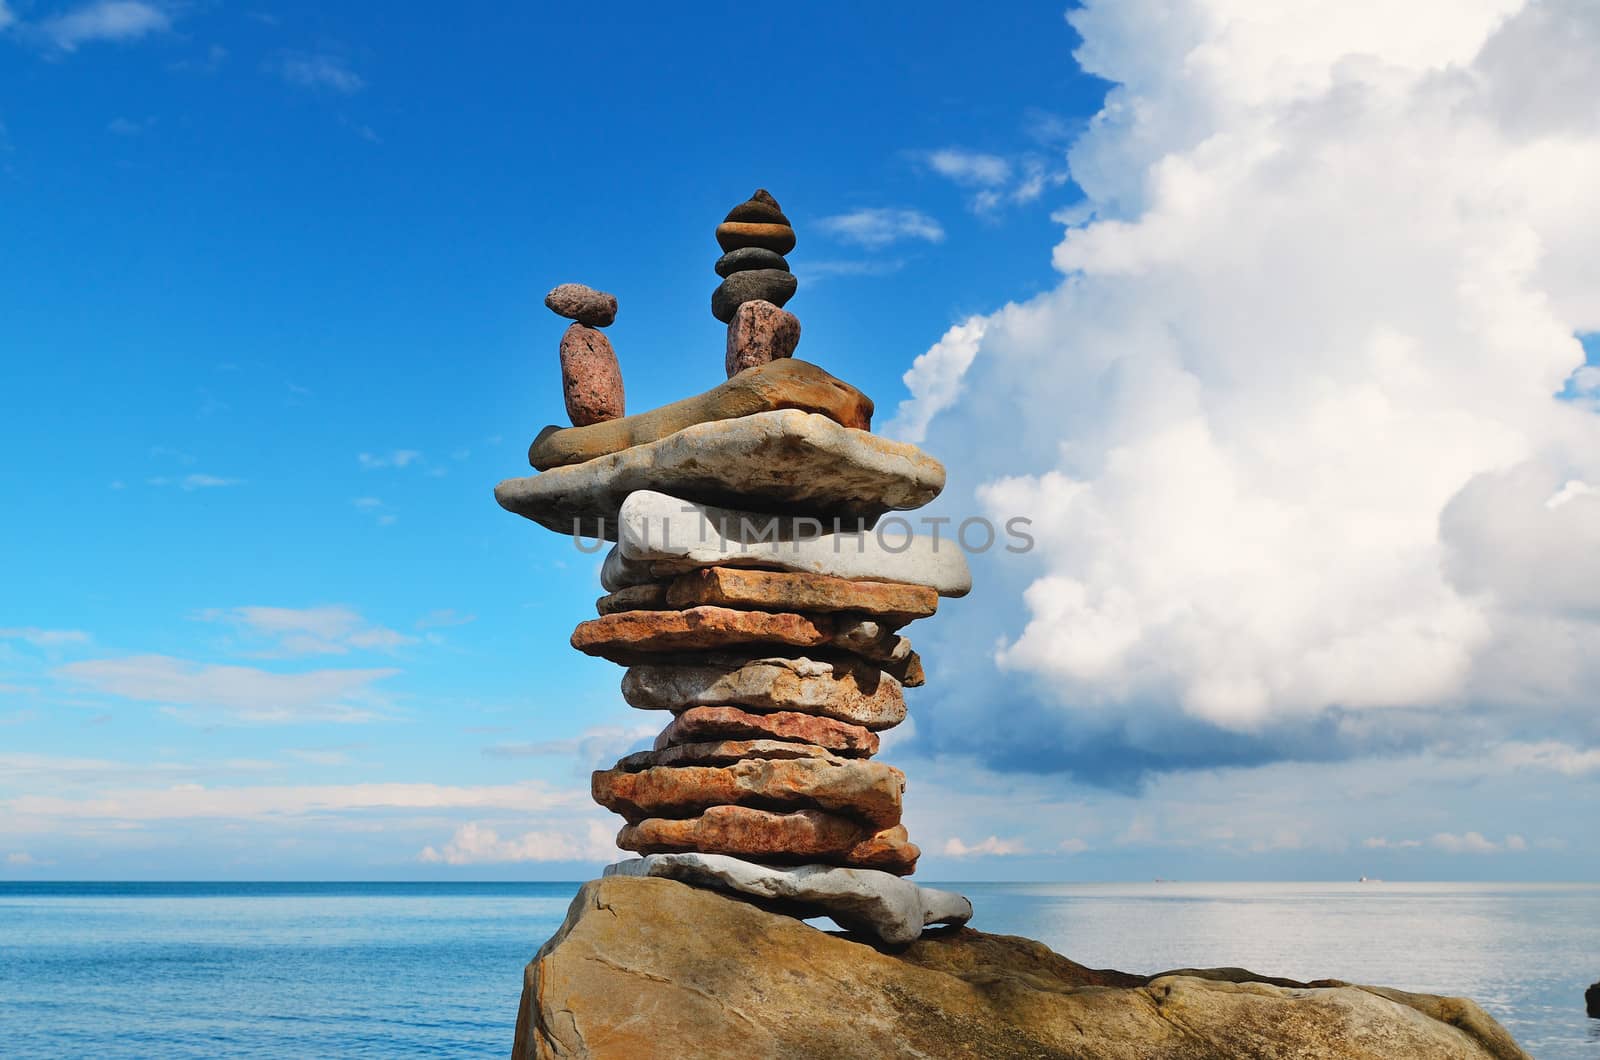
<point>206,482</point>
<point>995,181</point>
<point>191,801</point>
<point>971,168</point>
<point>128,126</point>
<point>318,70</point>
<point>395,458</point>
<point>475,844</point>
<point>107,20</point>
<point>45,638</point>
<point>7,18</point>
<point>815,270</point>
<point>327,630</point>
<point>243,693</point>
<point>591,746</point>
<point>874,228</point>
<point>993,846</point>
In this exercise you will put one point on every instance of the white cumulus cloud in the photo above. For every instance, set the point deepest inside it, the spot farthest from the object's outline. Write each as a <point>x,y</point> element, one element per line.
<point>1288,426</point>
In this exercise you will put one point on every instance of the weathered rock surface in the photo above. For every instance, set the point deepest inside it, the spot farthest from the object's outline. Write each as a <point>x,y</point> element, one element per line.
<point>626,634</point>
<point>850,691</point>
<point>652,596</point>
<point>759,333</point>
<point>591,379</point>
<point>761,208</point>
<point>746,258</point>
<point>752,285</point>
<point>660,535</point>
<point>797,837</point>
<point>699,724</point>
<point>788,461</point>
<point>855,788</point>
<point>731,235</point>
<point>786,384</point>
<point>583,304</point>
<point>867,901</point>
<point>721,753</point>
<point>628,976</point>
<point>798,591</point>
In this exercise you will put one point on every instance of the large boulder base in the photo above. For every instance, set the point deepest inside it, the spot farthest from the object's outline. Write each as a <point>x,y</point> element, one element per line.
<point>655,968</point>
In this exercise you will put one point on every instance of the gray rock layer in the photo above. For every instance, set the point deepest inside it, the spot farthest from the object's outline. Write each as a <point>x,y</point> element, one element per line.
<point>661,535</point>
<point>861,900</point>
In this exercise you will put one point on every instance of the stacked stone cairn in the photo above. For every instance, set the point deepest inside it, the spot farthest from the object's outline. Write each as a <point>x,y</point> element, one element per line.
<point>753,595</point>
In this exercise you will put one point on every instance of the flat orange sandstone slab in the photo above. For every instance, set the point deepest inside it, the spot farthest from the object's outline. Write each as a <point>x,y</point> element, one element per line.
<point>869,791</point>
<point>625,634</point>
<point>730,723</point>
<point>782,384</point>
<point>780,838</point>
<point>794,591</point>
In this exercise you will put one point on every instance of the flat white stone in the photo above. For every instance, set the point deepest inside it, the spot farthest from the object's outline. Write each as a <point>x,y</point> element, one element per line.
<point>660,535</point>
<point>893,909</point>
<point>789,461</point>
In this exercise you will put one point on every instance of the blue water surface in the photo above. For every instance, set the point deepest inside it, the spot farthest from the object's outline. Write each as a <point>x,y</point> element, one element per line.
<point>413,970</point>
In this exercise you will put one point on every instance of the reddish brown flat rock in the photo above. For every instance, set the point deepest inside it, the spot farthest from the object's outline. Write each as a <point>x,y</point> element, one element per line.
<point>722,753</point>
<point>591,380</point>
<point>847,690</point>
<point>762,590</point>
<point>652,596</point>
<point>758,334</point>
<point>891,850</point>
<point>730,723</point>
<point>779,838</point>
<point>783,384</point>
<point>869,791</point>
<point>584,304</point>
<point>626,635</point>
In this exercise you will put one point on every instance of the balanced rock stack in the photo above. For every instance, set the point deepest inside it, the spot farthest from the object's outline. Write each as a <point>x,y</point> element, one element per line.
<point>591,380</point>
<point>756,283</point>
<point>749,594</point>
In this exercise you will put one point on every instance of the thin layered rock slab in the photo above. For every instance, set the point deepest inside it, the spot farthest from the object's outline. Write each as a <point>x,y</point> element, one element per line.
<point>861,900</point>
<point>800,591</point>
<point>787,461</point>
<point>652,596</point>
<point>722,753</point>
<point>700,724</point>
<point>854,692</point>
<point>868,791</point>
<point>785,384</point>
<point>625,635</point>
<point>662,534</point>
<point>797,837</point>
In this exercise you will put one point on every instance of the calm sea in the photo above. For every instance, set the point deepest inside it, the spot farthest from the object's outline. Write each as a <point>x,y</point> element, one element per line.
<point>410,970</point>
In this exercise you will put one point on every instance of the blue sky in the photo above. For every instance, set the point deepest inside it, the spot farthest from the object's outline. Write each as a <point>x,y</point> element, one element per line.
<point>272,331</point>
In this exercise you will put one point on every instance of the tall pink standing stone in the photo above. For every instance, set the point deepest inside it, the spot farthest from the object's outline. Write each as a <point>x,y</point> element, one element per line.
<point>591,379</point>
<point>759,333</point>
